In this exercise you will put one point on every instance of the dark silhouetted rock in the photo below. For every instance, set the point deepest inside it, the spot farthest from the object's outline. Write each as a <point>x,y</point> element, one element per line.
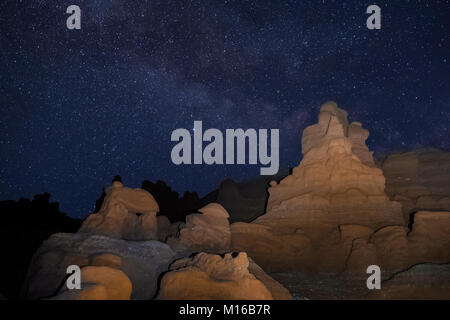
<point>170,204</point>
<point>244,201</point>
<point>420,282</point>
<point>24,226</point>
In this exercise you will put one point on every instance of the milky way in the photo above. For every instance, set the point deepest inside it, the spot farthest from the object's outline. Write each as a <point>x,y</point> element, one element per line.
<point>79,106</point>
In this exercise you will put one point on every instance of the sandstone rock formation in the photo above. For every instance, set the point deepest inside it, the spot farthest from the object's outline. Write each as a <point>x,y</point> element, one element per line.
<point>274,252</point>
<point>310,214</point>
<point>330,216</point>
<point>207,276</point>
<point>430,237</point>
<point>358,135</point>
<point>332,184</point>
<point>419,180</point>
<point>395,248</point>
<point>126,213</point>
<point>99,283</point>
<point>208,231</point>
<point>141,261</point>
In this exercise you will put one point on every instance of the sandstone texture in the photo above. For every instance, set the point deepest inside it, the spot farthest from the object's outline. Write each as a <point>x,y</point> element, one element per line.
<point>141,261</point>
<point>99,283</point>
<point>208,231</point>
<point>128,214</point>
<point>419,180</point>
<point>397,248</point>
<point>333,184</point>
<point>164,229</point>
<point>335,196</point>
<point>208,276</point>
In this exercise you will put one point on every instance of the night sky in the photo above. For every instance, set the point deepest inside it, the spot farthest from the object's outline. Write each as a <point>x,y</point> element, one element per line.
<point>80,106</point>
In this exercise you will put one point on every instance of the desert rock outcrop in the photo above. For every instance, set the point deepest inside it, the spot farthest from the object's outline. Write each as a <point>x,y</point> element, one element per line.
<point>331,216</point>
<point>126,213</point>
<point>396,248</point>
<point>208,276</point>
<point>141,261</point>
<point>208,231</point>
<point>336,185</point>
<point>99,283</point>
<point>333,185</point>
<point>419,180</point>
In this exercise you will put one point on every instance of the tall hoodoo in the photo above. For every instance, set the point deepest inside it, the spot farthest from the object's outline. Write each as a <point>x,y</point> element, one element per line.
<point>336,182</point>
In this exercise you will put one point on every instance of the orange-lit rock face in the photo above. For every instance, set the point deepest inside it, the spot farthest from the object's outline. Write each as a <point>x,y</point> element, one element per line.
<point>395,248</point>
<point>106,260</point>
<point>358,136</point>
<point>335,185</point>
<point>105,284</point>
<point>99,283</point>
<point>208,276</point>
<point>208,232</point>
<point>102,279</point>
<point>430,236</point>
<point>125,214</point>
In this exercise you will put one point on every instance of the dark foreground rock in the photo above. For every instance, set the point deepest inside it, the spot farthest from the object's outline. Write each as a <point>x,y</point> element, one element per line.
<point>422,281</point>
<point>141,261</point>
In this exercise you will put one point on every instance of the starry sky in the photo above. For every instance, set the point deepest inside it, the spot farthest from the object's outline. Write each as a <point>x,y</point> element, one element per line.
<point>80,106</point>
